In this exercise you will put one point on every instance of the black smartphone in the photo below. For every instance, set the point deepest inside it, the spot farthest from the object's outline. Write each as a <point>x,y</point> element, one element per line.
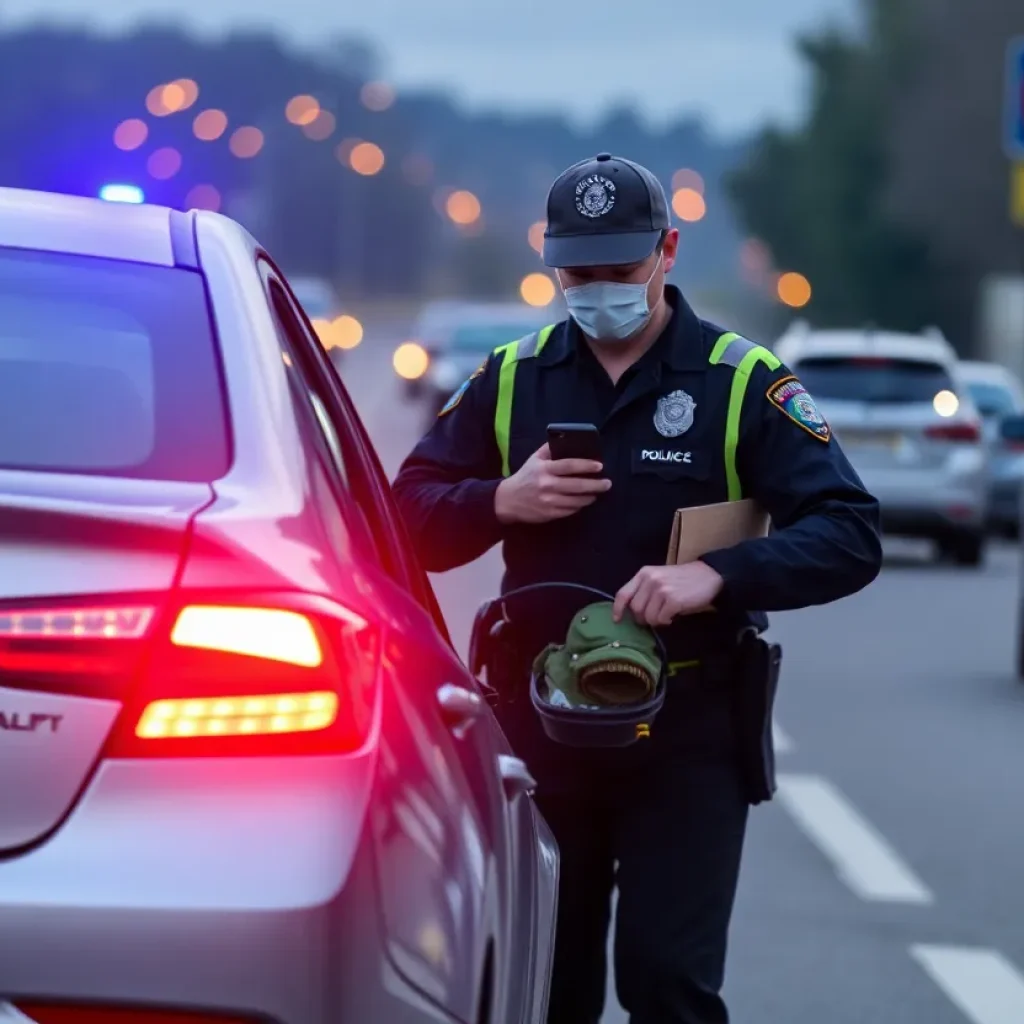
<point>574,441</point>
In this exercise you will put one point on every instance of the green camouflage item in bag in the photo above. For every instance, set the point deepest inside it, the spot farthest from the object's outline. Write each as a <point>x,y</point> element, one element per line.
<point>603,663</point>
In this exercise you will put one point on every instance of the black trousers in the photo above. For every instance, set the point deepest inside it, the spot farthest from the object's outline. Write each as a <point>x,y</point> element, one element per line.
<point>663,821</point>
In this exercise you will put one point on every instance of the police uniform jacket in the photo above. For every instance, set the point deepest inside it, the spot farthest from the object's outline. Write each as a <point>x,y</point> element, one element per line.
<point>824,543</point>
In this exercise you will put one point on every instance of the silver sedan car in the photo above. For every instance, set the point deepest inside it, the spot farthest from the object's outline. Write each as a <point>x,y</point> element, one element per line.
<point>245,776</point>
<point>907,422</point>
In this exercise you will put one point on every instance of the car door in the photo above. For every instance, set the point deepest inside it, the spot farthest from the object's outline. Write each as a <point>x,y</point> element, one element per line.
<point>500,782</point>
<point>440,822</point>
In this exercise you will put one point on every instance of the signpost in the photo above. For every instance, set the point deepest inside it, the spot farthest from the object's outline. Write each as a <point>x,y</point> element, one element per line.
<point>1013,121</point>
<point>1013,126</point>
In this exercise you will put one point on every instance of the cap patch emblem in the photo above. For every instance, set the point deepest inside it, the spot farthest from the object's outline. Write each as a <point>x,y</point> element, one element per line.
<point>595,196</point>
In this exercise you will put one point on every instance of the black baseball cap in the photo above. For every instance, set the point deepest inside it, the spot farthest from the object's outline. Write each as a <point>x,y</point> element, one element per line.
<point>604,211</point>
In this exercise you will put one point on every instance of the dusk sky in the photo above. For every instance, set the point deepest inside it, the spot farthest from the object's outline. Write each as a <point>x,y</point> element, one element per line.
<point>730,61</point>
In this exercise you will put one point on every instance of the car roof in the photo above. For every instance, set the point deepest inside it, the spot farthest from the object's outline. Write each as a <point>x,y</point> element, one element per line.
<point>995,373</point>
<point>803,344</point>
<point>51,222</point>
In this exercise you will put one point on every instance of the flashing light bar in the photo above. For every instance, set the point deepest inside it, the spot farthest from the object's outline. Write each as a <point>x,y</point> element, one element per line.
<point>122,194</point>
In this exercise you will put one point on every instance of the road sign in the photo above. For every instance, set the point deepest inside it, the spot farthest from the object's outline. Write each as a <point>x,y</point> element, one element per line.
<point>1017,193</point>
<point>1013,132</point>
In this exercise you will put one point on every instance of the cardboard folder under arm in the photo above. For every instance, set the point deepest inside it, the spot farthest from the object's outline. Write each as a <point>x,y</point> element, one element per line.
<point>704,528</point>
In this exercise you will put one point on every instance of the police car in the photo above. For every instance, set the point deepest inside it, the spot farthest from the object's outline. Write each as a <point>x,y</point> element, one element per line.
<point>905,418</point>
<point>245,776</point>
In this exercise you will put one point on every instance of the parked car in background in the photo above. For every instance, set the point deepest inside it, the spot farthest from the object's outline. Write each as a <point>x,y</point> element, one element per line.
<point>255,782</point>
<point>906,419</point>
<point>997,392</point>
<point>457,337</point>
<point>1011,432</point>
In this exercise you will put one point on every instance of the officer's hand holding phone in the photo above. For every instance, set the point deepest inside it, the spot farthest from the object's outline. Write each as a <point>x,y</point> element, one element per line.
<point>544,489</point>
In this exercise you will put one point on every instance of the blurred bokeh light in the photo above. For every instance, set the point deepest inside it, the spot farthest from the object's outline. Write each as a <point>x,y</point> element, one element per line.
<point>302,110</point>
<point>130,134</point>
<point>685,178</point>
<point>122,194</point>
<point>535,236</point>
<point>537,289</point>
<point>343,332</point>
<point>410,360</point>
<point>688,205</point>
<point>377,96</point>
<point>366,158</point>
<point>794,290</point>
<point>945,403</point>
<point>203,197</point>
<point>246,142</point>
<point>172,97</point>
<point>321,127</point>
<point>210,125</point>
<point>164,163</point>
<point>462,207</point>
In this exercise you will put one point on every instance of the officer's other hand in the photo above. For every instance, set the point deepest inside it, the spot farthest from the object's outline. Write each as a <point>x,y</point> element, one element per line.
<point>545,489</point>
<point>659,593</point>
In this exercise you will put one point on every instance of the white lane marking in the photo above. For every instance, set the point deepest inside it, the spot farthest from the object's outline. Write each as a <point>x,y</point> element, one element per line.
<point>783,743</point>
<point>982,983</point>
<point>860,855</point>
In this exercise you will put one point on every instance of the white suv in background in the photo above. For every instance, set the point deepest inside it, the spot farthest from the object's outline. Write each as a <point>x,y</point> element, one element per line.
<point>907,422</point>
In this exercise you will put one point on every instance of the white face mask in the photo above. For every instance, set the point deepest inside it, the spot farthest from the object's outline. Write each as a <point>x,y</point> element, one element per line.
<point>610,310</point>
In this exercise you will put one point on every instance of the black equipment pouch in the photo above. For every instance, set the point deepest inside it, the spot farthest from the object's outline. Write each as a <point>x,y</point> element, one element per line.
<point>756,681</point>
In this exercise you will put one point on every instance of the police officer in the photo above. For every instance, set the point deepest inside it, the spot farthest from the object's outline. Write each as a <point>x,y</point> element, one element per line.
<point>688,415</point>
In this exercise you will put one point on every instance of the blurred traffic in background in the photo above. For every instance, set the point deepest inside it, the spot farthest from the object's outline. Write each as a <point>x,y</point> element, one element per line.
<point>870,229</point>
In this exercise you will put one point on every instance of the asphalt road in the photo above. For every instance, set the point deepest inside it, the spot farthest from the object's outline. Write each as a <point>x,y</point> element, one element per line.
<point>883,884</point>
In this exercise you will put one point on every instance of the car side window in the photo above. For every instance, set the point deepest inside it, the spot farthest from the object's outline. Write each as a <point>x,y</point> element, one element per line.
<point>320,431</point>
<point>367,482</point>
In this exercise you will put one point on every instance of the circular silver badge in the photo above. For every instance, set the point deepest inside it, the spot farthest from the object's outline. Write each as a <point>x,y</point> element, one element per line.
<point>595,195</point>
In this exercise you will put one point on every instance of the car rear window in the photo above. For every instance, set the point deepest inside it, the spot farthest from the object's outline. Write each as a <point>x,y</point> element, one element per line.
<point>992,399</point>
<point>108,368</point>
<point>487,337</point>
<point>874,379</point>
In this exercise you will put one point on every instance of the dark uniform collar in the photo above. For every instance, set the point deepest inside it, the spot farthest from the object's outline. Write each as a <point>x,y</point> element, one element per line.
<point>680,346</point>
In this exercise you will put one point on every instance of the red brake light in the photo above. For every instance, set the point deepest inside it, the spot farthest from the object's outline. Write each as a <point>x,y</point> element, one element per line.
<point>270,674</point>
<point>963,432</point>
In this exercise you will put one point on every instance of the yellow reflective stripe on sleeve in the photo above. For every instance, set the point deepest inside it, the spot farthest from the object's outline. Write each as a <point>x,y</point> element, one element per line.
<point>503,408</point>
<point>752,355</point>
<point>542,337</point>
<point>510,356</point>
<point>721,345</point>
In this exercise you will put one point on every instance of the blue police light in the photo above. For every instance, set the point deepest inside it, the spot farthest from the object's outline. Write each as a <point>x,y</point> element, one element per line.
<point>122,194</point>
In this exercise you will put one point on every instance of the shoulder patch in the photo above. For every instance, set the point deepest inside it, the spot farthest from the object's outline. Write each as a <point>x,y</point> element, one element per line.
<point>790,397</point>
<point>461,390</point>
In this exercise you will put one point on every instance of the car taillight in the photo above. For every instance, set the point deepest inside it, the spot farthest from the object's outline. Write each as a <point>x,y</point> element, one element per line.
<point>277,673</point>
<point>87,649</point>
<point>963,432</point>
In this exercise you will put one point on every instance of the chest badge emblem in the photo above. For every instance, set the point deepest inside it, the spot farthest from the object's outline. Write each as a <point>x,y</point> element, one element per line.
<point>674,414</point>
